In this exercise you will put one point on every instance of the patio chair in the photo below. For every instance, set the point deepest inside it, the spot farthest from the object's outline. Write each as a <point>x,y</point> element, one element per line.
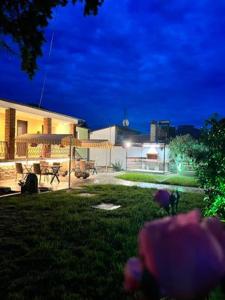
<point>56,172</point>
<point>91,166</point>
<point>75,165</point>
<point>20,171</point>
<point>83,165</point>
<point>38,171</point>
<point>44,165</point>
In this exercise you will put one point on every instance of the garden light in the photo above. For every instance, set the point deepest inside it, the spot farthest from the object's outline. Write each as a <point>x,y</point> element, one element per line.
<point>127,144</point>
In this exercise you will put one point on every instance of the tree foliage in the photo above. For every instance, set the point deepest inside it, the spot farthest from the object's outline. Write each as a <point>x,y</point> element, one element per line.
<point>181,149</point>
<point>25,22</point>
<point>210,166</point>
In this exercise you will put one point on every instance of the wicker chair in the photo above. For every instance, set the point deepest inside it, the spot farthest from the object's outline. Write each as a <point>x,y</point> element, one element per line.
<point>83,165</point>
<point>20,171</point>
<point>91,166</point>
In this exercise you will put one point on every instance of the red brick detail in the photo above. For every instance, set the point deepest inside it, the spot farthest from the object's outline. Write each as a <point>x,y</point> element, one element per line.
<point>73,129</point>
<point>10,131</point>
<point>47,129</point>
<point>47,126</point>
<point>152,156</point>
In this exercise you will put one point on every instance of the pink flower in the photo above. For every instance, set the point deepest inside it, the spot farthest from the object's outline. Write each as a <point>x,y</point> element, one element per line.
<point>162,197</point>
<point>187,256</point>
<point>184,254</point>
<point>133,274</point>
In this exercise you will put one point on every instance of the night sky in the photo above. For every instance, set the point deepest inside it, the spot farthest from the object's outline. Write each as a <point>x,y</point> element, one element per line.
<point>156,59</point>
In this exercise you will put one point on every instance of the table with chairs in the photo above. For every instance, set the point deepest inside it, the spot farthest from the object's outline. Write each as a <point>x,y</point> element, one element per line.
<point>50,172</point>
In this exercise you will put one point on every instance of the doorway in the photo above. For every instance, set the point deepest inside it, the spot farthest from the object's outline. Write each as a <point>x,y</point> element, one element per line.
<point>21,127</point>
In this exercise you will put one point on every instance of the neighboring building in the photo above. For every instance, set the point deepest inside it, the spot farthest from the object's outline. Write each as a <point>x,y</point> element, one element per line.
<point>82,133</point>
<point>153,132</point>
<point>188,129</point>
<point>161,131</point>
<point>131,149</point>
<point>17,119</point>
<point>116,134</point>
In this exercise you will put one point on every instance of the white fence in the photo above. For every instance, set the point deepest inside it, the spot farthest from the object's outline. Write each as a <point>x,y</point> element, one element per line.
<point>133,158</point>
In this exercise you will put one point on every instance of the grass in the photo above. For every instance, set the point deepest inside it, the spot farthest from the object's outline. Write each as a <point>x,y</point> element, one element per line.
<point>56,246</point>
<point>162,179</point>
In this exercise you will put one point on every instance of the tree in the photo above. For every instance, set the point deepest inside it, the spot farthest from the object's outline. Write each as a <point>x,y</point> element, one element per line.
<point>181,149</point>
<point>210,166</point>
<point>25,22</point>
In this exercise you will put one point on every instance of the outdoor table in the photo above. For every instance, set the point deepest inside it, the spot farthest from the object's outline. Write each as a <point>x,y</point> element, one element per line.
<point>55,173</point>
<point>28,168</point>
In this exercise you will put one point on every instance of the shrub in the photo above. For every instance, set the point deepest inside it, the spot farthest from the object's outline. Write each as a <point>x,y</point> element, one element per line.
<point>117,166</point>
<point>210,166</point>
<point>181,149</point>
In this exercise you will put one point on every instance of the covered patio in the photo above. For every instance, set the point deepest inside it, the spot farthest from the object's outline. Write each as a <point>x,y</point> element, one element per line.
<point>53,173</point>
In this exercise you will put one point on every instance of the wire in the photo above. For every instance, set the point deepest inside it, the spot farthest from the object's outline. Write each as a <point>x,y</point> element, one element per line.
<point>46,72</point>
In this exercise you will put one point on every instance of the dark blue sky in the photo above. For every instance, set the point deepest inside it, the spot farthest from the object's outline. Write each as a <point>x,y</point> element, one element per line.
<point>158,59</point>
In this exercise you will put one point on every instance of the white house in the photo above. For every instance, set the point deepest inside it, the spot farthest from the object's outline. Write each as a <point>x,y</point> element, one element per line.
<point>131,149</point>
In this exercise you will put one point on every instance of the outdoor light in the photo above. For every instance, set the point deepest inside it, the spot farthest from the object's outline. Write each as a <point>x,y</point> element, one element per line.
<point>127,144</point>
<point>152,150</point>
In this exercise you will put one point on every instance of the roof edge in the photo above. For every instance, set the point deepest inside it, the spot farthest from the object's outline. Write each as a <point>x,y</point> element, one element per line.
<point>37,109</point>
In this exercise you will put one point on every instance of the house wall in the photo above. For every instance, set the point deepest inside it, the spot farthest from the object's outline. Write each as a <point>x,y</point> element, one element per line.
<point>82,134</point>
<point>60,127</point>
<point>105,134</point>
<point>2,126</point>
<point>34,125</point>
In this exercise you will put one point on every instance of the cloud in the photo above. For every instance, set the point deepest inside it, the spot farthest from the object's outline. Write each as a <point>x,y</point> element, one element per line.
<point>159,59</point>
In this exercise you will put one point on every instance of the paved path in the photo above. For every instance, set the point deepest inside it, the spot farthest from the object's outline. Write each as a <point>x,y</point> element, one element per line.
<point>104,178</point>
<point>110,178</point>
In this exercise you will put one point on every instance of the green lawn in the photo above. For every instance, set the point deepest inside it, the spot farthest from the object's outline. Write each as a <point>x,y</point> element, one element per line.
<point>164,179</point>
<point>56,246</point>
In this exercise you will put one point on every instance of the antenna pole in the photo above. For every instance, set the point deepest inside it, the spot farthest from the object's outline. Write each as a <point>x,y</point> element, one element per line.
<point>45,75</point>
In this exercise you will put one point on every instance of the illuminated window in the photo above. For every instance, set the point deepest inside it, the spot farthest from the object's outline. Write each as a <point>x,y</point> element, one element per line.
<point>152,154</point>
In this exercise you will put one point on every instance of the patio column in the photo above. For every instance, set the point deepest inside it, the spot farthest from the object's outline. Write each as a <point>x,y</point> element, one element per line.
<point>47,129</point>
<point>10,131</point>
<point>73,129</point>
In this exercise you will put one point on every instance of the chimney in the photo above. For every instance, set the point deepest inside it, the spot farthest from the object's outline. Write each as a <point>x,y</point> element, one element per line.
<point>153,132</point>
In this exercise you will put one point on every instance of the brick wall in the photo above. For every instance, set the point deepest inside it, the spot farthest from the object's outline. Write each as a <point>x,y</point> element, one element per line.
<point>7,172</point>
<point>10,128</point>
<point>73,130</point>
<point>47,129</point>
<point>47,126</point>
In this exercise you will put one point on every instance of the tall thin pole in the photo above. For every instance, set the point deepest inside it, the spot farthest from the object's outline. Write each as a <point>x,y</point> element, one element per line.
<point>106,156</point>
<point>126,159</point>
<point>70,160</point>
<point>27,153</point>
<point>164,159</point>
